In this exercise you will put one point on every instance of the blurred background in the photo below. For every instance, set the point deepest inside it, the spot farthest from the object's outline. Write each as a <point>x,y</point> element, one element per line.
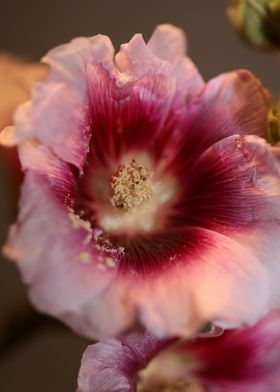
<point>48,358</point>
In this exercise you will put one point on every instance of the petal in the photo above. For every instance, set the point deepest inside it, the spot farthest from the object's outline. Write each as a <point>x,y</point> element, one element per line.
<point>56,257</point>
<point>233,186</point>
<point>7,137</point>
<point>137,110</point>
<point>263,242</point>
<point>56,115</point>
<point>100,369</point>
<point>169,43</point>
<point>241,360</point>
<point>42,161</point>
<point>135,59</point>
<point>232,103</point>
<point>108,314</point>
<point>215,280</point>
<point>113,365</point>
<point>143,102</point>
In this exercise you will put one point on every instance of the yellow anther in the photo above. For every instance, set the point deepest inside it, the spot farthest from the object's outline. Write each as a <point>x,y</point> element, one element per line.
<point>131,186</point>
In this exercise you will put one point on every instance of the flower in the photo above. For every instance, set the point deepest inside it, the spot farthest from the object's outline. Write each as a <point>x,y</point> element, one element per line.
<point>245,360</point>
<point>148,195</point>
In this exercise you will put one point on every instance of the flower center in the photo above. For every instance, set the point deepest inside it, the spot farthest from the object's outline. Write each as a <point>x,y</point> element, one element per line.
<point>131,186</point>
<point>127,197</point>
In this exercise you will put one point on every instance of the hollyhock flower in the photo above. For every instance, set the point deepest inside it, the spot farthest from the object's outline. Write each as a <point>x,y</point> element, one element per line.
<point>148,194</point>
<point>245,360</point>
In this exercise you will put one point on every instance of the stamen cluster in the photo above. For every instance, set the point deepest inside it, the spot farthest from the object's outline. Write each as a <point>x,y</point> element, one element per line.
<point>131,186</point>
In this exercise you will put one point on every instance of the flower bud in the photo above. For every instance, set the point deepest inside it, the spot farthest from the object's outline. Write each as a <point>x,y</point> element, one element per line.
<point>257,21</point>
<point>274,124</point>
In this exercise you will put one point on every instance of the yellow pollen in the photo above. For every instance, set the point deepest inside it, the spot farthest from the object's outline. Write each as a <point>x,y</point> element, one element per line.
<point>131,186</point>
<point>84,257</point>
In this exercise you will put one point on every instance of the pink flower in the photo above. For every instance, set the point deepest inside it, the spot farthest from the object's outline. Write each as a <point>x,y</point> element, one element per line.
<point>147,194</point>
<point>245,360</point>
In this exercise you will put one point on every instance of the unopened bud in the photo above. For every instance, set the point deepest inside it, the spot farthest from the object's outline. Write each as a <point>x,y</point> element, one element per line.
<point>257,21</point>
<point>274,124</point>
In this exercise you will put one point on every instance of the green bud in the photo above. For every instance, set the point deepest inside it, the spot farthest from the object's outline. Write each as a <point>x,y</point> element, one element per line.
<point>257,21</point>
<point>274,124</point>
<point>273,6</point>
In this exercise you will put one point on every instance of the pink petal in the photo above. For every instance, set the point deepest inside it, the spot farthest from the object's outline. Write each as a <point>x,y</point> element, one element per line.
<point>142,102</point>
<point>218,281</point>
<point>232,186</point>
<point>233,102</point>
<point>135,60</point>
<point>107,314</point>
<point>112,365</point>
<point>163,55</point>
<point>138,112</point>
<point>101,369</point>
<point>263,243</point>
<point>56,115</point>
<point>7,137</point>
<point>169,43</point>
<point>63,280</point>
<point>241,360</point>
<point>40,159</point>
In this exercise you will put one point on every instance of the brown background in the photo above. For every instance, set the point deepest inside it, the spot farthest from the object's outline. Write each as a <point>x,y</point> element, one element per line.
<point>48,360</point>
